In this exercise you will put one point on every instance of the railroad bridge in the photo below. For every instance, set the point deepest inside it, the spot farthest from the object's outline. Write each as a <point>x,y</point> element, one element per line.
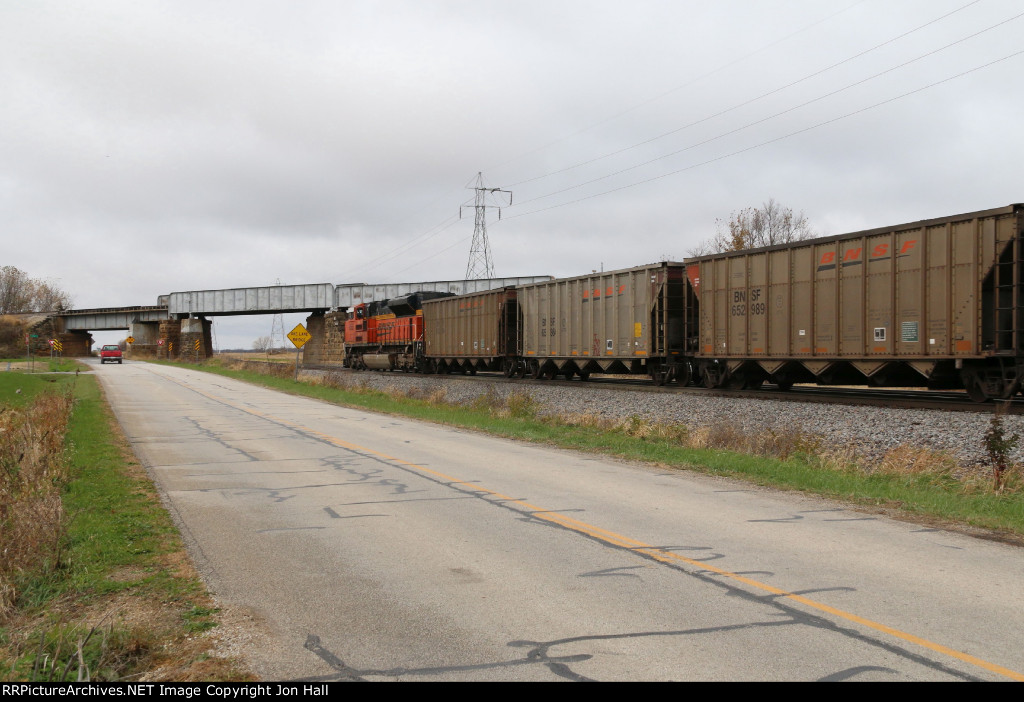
<point>179,325</point>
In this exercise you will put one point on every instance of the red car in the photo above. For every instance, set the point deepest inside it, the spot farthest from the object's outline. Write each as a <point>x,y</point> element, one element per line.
<point>111,353</point>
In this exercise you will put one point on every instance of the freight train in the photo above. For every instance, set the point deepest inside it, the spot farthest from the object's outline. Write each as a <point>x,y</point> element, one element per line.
<point>936,303</point>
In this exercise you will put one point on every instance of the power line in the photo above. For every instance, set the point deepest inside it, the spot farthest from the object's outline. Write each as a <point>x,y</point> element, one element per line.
<point>434,255</point>
<point>746,102</point>
<point>687,84</point>
<point>772,141</point>
<point>449,222</point>
<point>770,117</point>
<point>418,240</point>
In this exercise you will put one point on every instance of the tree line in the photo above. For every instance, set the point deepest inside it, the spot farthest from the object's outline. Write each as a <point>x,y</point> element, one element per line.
<point>20,293</point>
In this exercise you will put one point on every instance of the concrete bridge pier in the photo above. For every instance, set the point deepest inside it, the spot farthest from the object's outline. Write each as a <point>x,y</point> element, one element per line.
<point>147,337</point>
<point>196,340</point>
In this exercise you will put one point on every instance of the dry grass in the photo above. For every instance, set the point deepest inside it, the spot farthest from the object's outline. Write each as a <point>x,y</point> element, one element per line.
<point>276,369</point>
<point>936,467</point>
<point>33,469</point>
<point>781,442</point>
<point>517,404</point>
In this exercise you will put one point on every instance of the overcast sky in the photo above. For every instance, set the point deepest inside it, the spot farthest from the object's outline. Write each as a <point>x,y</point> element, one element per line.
<point>151,147</point>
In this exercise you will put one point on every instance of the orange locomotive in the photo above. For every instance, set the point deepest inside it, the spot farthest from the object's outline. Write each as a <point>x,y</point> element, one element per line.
<point>387,335</point>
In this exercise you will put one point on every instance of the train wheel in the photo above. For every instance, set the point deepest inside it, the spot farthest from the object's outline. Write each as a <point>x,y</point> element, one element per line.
<point>1010,388</point>
<point>736,381</point>
<point>441,368</point>
<point>683,374</point>
<point>508,367</point>
<point>584,375</point>
<point>974,386</point>
<point>783,385</point>
<point>975,391</point>
<point>708,378</point>
<point>569,373</point>
<point>534,370</point>
<point>551,373</point>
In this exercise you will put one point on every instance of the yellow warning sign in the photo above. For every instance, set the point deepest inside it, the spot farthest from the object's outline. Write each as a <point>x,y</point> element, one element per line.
<point>299,336</point>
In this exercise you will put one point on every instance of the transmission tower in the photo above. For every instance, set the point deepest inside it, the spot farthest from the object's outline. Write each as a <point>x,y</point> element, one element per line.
<point>480,264</point>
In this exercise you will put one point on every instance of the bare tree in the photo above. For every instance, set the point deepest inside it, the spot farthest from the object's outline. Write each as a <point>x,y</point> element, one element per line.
<point>753,227</point>
<point>15,290</point>
<point>263,344</point>
<point>19,293</point>
<point>47,297</point>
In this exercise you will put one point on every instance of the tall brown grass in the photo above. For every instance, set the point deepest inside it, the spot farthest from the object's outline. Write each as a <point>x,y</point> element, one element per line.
<point>33,469</point>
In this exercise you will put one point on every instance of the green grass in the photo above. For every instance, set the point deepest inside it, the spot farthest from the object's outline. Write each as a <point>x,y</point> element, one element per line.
<point>927,495</point>
<point>120,542</point>
<point>42,364</point>
<point>30,386</point>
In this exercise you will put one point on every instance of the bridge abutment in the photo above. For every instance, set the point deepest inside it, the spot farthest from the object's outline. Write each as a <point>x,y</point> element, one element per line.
<point>196,340</point>
<point>328,342</point>
<point>76,343</point>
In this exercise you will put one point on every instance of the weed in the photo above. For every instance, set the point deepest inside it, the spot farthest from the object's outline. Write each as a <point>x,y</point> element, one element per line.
<point>63,652</point>
<point>200,618</point>
<point>488,401</point>
<point>522,405</point>
<point>998,446</point>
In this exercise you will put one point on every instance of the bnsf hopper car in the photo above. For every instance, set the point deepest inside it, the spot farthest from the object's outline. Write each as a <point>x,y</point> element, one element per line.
<point>473,332</point>
<point>627,321</point>
<point>934,303</point>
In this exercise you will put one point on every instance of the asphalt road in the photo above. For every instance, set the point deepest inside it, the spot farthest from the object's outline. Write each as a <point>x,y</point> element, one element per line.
<point>374,548</point>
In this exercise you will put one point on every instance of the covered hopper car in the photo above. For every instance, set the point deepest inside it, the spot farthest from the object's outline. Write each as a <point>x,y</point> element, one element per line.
<point>936,303</point>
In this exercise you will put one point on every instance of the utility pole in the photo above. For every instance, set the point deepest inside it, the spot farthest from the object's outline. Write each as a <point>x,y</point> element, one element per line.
<point>480,264</point>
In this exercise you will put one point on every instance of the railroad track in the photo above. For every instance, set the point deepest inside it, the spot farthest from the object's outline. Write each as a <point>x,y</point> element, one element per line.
<point>951,400</point>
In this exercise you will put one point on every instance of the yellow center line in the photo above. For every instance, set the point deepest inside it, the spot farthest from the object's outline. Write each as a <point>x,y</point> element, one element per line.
<point>648,550</point>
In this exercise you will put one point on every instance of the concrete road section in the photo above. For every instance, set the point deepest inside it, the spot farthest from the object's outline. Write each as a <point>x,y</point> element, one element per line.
<point>375,548</point>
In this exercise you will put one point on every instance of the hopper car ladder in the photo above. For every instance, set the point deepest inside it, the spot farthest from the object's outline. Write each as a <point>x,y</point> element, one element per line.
<point>1008,311</point>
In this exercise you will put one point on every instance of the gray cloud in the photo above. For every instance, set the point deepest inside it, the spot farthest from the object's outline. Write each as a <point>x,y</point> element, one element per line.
<point>147,147</point>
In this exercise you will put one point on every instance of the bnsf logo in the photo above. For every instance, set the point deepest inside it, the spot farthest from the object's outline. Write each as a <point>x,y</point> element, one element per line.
<point>596,292</point>
<point>853,255</point>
